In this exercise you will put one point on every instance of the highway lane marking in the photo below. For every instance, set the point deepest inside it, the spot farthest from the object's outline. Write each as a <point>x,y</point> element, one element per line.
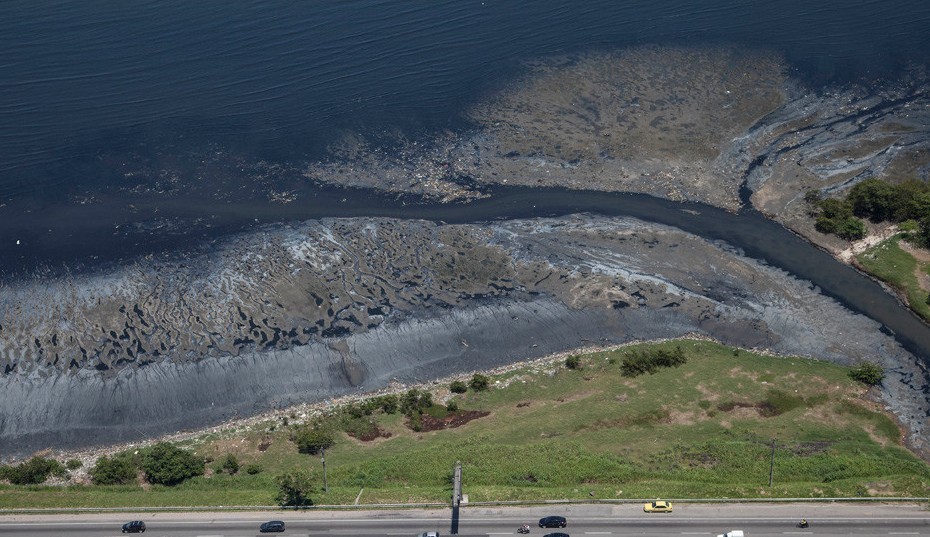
<point>695,533</point>
<point>598,533</point>
<point>904,533</point>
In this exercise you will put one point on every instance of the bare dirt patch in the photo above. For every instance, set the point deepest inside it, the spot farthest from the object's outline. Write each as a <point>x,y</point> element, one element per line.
<point>371,434</point>
<point>451,421</point>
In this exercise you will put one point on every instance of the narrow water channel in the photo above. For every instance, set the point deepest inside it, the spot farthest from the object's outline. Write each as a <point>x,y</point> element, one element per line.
<point>79,237</point>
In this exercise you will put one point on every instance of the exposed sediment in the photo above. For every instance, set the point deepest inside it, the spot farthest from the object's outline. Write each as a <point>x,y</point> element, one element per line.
<point>325,308</point>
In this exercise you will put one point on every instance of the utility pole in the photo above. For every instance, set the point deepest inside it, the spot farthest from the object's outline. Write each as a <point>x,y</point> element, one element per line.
<point>323,459</point>
<point>772,464</point>
<point>456,496</point>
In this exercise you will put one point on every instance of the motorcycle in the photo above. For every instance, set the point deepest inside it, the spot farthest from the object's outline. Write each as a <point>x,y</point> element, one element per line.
<point>524,529</point>
<point>803,523</point>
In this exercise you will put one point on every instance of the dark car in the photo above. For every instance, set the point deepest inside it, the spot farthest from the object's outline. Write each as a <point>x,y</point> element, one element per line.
<point>556,535</point>
<point>272,526</point>
<point>136,526</point>
<point>552,522</point>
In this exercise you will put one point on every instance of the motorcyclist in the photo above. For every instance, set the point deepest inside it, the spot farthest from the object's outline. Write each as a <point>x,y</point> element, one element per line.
<point>803,523</point>
<point>525,528</point>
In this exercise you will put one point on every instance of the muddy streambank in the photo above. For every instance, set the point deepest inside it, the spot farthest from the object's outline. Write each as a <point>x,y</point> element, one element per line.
<point>306,312</point>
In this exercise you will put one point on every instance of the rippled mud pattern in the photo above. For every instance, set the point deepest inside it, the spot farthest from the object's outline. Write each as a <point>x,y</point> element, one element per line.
<point>303,312</point>
<point>330,280</point>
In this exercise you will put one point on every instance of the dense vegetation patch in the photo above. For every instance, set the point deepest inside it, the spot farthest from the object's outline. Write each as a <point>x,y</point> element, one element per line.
<point>878,201</point>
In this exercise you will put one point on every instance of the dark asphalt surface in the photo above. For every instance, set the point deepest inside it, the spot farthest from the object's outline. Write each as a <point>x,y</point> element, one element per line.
<point>583,520</point>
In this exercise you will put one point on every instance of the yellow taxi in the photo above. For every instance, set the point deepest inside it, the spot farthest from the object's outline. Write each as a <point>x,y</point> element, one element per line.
<point>658,506</point>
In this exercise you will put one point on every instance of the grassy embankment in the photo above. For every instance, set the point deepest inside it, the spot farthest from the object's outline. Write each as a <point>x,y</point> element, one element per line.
<point>700,430</point>
<point>898,268</point>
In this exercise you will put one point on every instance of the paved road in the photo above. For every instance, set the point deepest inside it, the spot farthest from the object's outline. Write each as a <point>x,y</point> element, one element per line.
<point>583,520</point>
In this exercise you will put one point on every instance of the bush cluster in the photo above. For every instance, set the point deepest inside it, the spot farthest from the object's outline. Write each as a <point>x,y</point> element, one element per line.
<point>573,362</point>
<point>120,469</point>
<point>457,386</point>
<point>166,464</point>
<point>636,363</point>
<point>868,373</point>
<point>878,201</point>
<point>294,489</point>
<point>312,439</point>
<point>415,402</point>
<point>479,382</point>
<point>32,472</point>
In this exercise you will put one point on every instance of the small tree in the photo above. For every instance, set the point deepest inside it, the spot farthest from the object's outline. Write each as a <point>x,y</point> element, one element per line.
<point>452,406</point>
<point>457,386</point>
<point>868,373</point>
<point>312,440</point>
<point>294,488</point>
<point>253,469</point>
<point>118,470</point>
<point>167,464</point>
<point>231,464</point>
<point>479,382</point>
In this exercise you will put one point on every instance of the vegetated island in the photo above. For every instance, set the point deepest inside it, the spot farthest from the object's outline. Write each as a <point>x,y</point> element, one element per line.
<point>680,419</point>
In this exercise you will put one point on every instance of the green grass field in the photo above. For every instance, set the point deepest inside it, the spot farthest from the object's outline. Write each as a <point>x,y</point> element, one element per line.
<point>889,263</point>
<point>704,429</point>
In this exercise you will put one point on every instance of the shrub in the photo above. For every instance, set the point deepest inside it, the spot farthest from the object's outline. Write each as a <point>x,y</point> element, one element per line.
<point>825,225</point>
<point>73,464</point>
<point>452,406</point>
<point>479,382</point>
<point>573,362</point>
<point>457,386</point>
<point>389,404</point>
<point>231,464</point>
<point>167,464</point>
<point>360,427</point>
<point>253,469</point>
<point>649,361</point>
<point>313,439</point>
<point>416,423</point>
<point>119,470</point>
<point>868,373</point>
<point>415,402</point>
<point>851,229</point>
<point>34,471</point>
